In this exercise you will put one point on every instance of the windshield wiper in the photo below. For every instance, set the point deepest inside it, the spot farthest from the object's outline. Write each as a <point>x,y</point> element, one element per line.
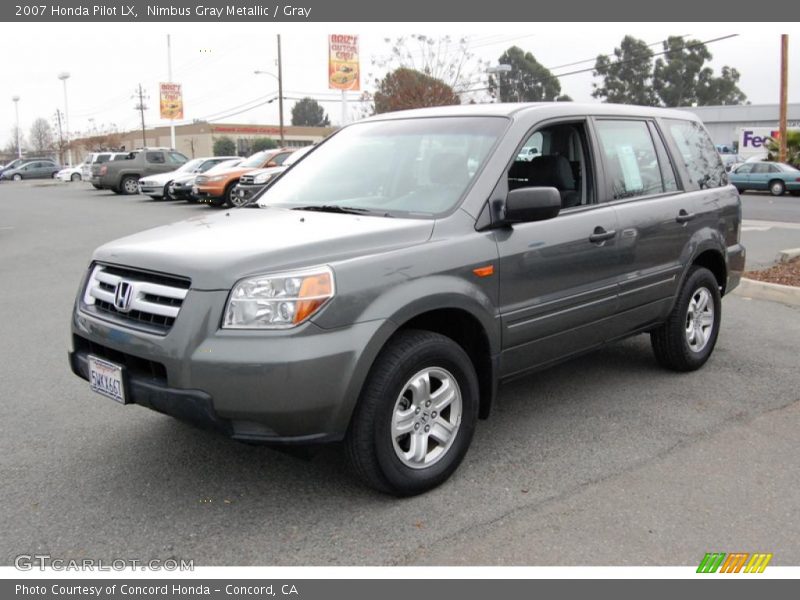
<point>335,208</point>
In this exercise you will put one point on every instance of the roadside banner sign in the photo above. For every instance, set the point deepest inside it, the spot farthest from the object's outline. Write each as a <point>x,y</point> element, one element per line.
<point>343,65</point>
<point>171,100</point>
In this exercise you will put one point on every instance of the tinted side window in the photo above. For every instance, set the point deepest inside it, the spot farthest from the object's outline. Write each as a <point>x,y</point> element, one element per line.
<point>103,158</point>
<point>155,157</point>
<point>667,168</point>
<point>630,157</point>
<point>744,169</point>
<point>699,155</point>
<point>760,168</point>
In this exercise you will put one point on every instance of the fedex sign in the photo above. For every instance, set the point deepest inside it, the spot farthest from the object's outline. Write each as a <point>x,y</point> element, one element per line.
<point>753,140</point>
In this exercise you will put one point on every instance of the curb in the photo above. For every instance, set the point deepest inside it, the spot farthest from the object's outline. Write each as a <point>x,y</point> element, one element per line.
<point>773,292</point>
<point>787,255</point>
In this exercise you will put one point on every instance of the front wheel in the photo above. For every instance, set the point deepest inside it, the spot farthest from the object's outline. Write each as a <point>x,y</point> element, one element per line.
<point>687,339</point>
<point>777,187</point>
<point>75,177</point>
<point>230,198</point>
<point>129,185</point>
<point>416,414</point>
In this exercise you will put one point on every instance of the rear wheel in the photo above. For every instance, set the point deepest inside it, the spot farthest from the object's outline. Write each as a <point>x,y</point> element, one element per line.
<point>166,195</point>
<point>687,339</point>
<point>416,414</point>
<point>129,185</point>
<point>17,177</point>
<point>75,177</point>
<point>777,187</point>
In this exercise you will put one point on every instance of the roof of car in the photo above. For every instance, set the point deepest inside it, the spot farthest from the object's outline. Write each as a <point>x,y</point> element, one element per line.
<point>511,109</point>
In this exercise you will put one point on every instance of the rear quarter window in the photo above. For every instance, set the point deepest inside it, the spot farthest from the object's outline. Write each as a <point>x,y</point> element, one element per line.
<point>698,153</point>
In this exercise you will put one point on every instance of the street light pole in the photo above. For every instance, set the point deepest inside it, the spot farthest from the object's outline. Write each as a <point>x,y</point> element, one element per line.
<point>784,96</point>
<point>16,110</point>
<point>278,77</point>
<point>280,87</point>
<point>63,77</point>
<point>499,70</point>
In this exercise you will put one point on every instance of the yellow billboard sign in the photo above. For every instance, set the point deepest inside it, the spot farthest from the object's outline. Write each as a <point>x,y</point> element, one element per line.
<point>171,101</point>
<point>343,66</point>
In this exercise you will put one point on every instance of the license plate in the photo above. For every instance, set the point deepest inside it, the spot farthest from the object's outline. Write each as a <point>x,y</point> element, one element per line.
<point>107,379</point>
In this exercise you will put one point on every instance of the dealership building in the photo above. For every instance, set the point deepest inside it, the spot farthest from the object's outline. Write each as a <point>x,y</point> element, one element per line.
<point>727,124</point>
<point>197,139</point>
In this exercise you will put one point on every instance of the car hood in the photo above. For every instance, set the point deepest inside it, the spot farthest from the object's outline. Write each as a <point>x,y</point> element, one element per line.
<point>163,178</point>
<point>217,250</point>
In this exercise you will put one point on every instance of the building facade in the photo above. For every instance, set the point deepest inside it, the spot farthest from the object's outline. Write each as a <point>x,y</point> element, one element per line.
<point>197,139</point>
<point>727,124</point>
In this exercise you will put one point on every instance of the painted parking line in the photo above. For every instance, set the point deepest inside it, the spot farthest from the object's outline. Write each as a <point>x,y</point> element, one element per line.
<point>752,225</point>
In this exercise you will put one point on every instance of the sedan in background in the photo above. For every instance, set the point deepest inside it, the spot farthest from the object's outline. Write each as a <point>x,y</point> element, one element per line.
<point>70,174</point>
<point>35,169</point>
<point>157,186</point>
<point>777,178</point>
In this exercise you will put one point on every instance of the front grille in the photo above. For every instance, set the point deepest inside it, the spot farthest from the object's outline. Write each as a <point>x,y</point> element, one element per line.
<point>139,299</point>
<point>138,367</point>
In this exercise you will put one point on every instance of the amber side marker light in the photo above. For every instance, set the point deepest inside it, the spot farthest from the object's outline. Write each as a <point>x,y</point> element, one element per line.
<point>315,291</point>
<point>484,271</point>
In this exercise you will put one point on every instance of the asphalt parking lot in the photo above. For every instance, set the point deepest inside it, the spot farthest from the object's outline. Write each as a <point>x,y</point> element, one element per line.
<point>606,460</point>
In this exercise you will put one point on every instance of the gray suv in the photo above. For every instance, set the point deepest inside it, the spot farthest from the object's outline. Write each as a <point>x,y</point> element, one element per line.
<point>381,289</point>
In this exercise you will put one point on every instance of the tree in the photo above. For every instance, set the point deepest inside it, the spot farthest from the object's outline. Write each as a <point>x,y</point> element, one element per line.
<point>263,143</point>
<point>307,112</point>
<point>41,136</point>
<point>224,146</point>
<point>528,80</point>
<point>628,78</point>
<point>11,148</point>
<point>681,77</point>
<point>724,89</point>
<point>792,148</point>
<point>403,89</point>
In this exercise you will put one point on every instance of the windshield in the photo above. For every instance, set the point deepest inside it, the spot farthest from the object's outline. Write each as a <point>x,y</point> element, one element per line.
<point>225,165</point>
<point>418,167</point>
<point>257,160</point>
<point>189,166</point>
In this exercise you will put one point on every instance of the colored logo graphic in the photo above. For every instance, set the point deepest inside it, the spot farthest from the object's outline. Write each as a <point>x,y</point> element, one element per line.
<point>737,562</point>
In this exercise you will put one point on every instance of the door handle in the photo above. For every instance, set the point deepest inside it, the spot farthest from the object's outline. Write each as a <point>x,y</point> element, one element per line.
<point>684,217</point>
<point>600,235</point>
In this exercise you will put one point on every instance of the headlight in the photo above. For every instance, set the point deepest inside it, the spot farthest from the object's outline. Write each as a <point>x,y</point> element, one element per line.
<point>263,178</point>
<point>278,301</point>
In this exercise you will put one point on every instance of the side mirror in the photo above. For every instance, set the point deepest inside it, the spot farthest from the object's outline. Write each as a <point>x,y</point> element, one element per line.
<point>272,163</point>
<point>528,204</point>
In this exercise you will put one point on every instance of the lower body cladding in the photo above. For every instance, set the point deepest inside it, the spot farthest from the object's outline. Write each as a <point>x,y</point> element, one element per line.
<point>295,386</point>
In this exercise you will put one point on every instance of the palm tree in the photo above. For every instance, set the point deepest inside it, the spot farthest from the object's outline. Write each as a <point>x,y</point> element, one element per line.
<point>792,148</point>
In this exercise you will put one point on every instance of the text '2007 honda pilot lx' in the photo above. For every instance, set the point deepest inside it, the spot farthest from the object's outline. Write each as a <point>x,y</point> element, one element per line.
<point>390,279</point>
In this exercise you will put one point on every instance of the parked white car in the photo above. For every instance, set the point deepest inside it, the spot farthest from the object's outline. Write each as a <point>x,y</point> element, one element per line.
<point>70,174</point>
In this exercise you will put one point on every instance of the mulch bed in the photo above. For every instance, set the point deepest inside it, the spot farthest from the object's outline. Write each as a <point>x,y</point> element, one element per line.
<point>787,273</point>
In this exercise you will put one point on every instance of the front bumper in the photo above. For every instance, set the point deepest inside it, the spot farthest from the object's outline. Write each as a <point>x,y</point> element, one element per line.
<point>246,192</point>
<point>284,386</point>
<point>180,191</point>
<point>151,190</point>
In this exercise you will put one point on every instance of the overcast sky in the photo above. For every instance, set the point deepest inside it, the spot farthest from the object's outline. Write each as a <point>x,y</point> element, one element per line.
<point>215,62</point>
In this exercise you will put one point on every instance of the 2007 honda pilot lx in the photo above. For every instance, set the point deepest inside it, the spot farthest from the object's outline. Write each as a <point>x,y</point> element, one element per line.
<point>396,274</point>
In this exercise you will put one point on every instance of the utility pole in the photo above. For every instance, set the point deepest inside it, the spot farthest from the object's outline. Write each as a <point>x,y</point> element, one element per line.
<point>141,107</point>
<point>15,99</point>
<point>280,88</point>
<point>60,138</point>
<point>784,96</point>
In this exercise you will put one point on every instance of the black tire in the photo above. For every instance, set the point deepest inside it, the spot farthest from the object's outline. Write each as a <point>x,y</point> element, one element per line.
<point>127,185</point>
<point>740,190</point>
<point>53,174</point>
<point>166,195</point>
<point>17,177</point>
<point>75,177</point>
<point>369,442</point>
<point>777,187</point>
<point>670,344</point>
<point>228,201</point>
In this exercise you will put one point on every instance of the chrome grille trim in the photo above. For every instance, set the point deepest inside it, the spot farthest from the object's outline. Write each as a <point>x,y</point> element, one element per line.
<point>134,298</point>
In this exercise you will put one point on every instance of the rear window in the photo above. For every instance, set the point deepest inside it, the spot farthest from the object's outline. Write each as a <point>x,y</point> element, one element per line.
<point>698,153</point>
